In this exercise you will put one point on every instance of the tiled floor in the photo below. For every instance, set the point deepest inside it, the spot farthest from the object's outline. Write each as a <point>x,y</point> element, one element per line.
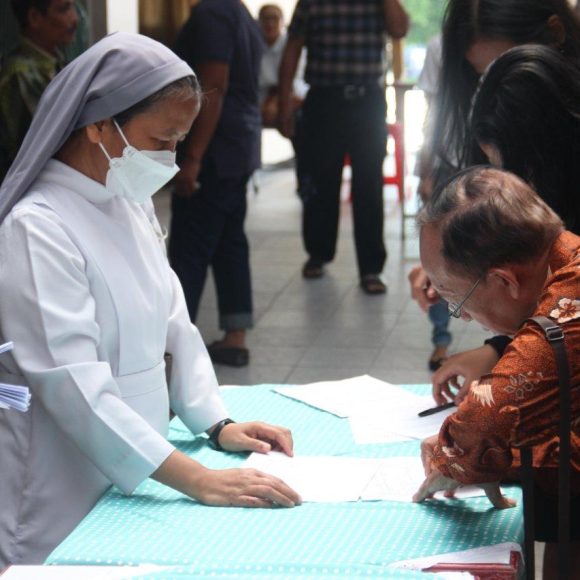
<point>309,330</point>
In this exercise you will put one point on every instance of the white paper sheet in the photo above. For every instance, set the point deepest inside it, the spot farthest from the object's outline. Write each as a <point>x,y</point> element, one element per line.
<point>398,478</point>
<point>396,420</point>
<point>318,479</point>
<point>496,554</point>
<point>354,396</point>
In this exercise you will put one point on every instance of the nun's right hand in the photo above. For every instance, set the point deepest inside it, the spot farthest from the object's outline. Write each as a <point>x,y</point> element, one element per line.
<point>186,183</point>
<point>243,488</point>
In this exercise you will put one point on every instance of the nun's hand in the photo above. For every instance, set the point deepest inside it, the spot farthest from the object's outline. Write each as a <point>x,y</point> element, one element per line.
<point>256,436</point>
<point>243,488</point>
<point>186,183</point>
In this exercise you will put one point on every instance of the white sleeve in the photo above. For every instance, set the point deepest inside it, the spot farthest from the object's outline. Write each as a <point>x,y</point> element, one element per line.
<point>193,387</point>
<point>47,309</point>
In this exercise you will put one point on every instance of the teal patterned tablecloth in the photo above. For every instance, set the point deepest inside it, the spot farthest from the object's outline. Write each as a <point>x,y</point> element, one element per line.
<point>343,540</point>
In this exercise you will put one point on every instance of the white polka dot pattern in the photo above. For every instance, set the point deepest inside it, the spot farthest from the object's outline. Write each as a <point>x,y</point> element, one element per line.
<point>354,540</point>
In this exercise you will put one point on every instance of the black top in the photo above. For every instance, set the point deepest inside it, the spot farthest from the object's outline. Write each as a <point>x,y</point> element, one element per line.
<point>224,31</point>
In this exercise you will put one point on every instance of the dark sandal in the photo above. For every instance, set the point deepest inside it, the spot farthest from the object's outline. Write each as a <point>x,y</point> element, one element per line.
<point>313,269</point>
<point>372,284</point>
<point>229,355</point>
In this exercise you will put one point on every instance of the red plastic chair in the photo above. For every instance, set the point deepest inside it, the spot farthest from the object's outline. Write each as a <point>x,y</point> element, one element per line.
<point>395,130</point>
<point>398,178</point>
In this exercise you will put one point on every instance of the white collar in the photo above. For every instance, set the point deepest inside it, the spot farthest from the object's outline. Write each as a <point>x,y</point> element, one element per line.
<point>65,176</point>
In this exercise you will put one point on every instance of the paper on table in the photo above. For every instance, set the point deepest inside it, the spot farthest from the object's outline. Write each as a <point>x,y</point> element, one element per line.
<point>354,396</point>
<point>373,429</point>
<point>398,478</point>
<point>496,554</point>
<point>397,420</point>
<point>318,479</point>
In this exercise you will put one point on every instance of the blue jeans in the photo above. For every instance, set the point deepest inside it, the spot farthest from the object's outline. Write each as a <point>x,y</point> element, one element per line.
<point>439,316</point>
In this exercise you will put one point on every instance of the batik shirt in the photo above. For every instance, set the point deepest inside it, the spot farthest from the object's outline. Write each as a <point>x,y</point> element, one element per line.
<point>517,405</point>
<point>25,73</point>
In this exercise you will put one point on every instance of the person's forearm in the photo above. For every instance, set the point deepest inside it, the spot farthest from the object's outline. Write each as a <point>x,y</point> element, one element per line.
<point>205,125</point>
<point>287,72</point>
<point>396,18</point>
<point>181,473</point>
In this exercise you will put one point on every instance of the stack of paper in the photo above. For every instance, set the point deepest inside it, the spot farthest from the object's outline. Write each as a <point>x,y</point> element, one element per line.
<point>13,396</point>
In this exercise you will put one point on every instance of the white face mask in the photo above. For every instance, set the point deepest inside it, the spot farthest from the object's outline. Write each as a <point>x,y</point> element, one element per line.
<point>137,175</point>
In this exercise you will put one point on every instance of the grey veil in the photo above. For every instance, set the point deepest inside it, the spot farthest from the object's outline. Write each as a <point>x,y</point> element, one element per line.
<point>111,76</point>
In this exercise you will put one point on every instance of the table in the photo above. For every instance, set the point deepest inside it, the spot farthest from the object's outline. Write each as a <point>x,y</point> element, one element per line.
<point>348,540</point>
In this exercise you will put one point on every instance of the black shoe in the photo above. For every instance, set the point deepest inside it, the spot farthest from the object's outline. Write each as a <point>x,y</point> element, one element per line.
<point>232,356</point>
<point>313,269</point>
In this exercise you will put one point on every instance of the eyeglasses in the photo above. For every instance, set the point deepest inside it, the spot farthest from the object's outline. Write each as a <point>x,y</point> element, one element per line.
<point>455,307</point>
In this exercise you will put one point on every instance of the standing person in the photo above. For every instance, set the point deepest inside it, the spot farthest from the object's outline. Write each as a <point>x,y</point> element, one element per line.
<point>476,32</point>
<point>223,43</point>
<point>429,83</point>
<point>527,82</point>
<point>47,26</point>
<point>91,304</point>
<point>343,114</point>
<point>500,256</point>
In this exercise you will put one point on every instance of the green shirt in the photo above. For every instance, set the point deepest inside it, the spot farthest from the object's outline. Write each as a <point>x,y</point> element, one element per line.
<point>25,73</point>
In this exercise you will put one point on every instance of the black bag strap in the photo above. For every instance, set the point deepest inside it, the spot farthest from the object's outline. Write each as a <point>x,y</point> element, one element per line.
<point>555,336</point>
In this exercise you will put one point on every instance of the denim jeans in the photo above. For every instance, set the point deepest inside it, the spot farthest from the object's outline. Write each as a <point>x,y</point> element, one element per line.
<point>439,316</point>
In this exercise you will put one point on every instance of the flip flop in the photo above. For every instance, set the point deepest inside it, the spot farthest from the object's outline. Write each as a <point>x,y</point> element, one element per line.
<point>372,284</point>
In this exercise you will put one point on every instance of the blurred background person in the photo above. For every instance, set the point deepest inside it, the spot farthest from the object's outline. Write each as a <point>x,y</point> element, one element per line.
<point>526,83</point>
<point>475,32</point>
<point>271,21</point>
<point>343,114</point>
<point>223,44</point>
<point>47,27</point>
<point>429,83</point>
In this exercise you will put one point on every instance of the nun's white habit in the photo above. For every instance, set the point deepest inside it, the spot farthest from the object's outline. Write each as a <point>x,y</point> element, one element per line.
<point>91,304</point>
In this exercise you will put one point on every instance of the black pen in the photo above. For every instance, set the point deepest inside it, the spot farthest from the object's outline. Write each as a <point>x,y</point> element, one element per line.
<point>434,410</point>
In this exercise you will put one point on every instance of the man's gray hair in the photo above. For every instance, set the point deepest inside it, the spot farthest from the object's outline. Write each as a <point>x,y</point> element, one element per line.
<point>488,218</point>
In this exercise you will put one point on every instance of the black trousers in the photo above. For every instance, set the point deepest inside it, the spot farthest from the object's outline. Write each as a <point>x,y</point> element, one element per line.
<point>338,122</point>
<point>207,229</point>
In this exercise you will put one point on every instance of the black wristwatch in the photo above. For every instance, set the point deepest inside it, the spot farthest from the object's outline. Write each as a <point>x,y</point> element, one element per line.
<point>215,434</point>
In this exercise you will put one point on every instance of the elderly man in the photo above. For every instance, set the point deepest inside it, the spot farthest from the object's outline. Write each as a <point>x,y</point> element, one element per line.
<point>499,255</point>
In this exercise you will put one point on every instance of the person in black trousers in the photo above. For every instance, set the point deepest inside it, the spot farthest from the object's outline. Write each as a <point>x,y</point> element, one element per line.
<point>344,114</point>
<point>223,44</point>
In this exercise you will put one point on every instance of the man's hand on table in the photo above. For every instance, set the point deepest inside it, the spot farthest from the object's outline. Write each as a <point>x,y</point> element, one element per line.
<point>470,365</point>
<point>436,481</point>
<point>243,488</point>
<point>256,436</point>
<point>421,289</point>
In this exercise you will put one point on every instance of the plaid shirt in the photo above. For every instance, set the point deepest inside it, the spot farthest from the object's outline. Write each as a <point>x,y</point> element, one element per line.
<point>345,40</point>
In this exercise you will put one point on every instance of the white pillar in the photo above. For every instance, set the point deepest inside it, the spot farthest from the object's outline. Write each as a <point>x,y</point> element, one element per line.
<point>122,15</point>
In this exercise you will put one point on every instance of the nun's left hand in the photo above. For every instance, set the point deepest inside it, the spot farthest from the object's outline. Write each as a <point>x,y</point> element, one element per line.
<point>256,436</point>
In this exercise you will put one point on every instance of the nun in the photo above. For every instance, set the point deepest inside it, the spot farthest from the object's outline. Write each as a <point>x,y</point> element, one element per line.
<point>88,297</point>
